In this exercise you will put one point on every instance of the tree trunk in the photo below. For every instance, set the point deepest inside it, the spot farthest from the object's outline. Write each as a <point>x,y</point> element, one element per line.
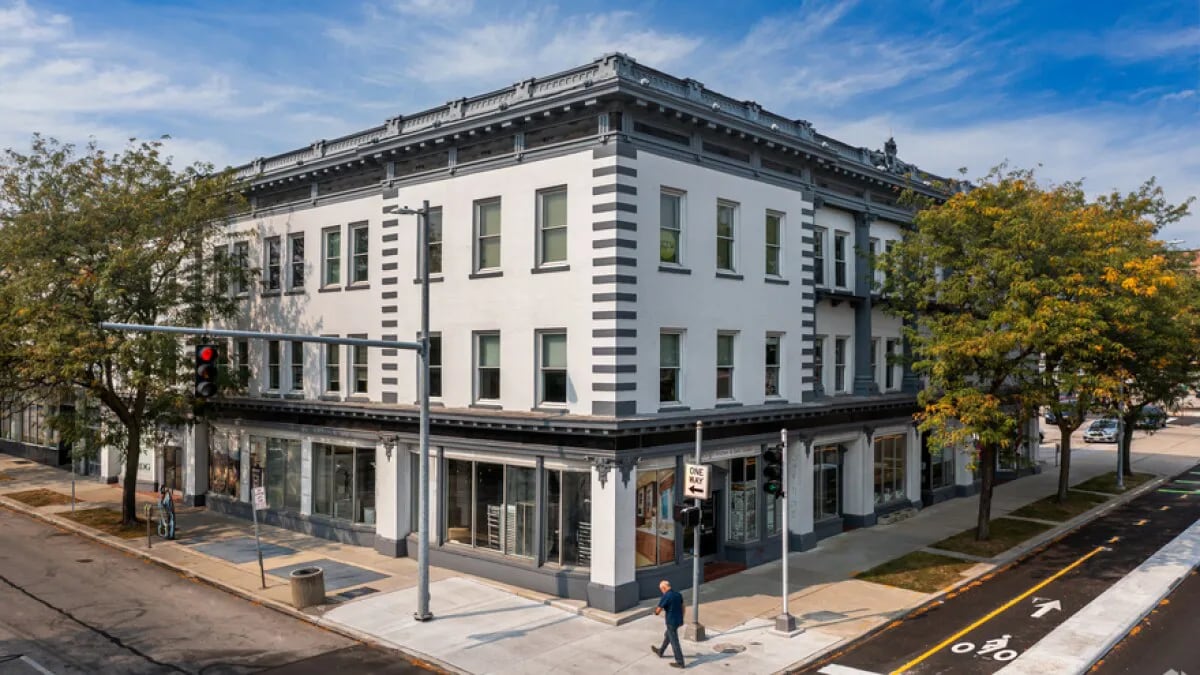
<point>987,476</point>
<point>1064,464</point>
<point>1126,449</point>
<point>129,490</point>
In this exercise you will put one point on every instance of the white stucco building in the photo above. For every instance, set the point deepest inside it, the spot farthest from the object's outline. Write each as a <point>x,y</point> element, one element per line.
<point>619,254</point>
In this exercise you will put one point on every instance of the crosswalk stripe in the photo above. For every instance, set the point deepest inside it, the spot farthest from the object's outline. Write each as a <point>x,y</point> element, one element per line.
<point>835,669</point>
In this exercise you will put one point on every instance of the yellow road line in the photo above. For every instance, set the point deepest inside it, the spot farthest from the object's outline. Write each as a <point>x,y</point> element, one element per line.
<point>991,615</point>
<point>1143,521</point>
<point>1114,540</point>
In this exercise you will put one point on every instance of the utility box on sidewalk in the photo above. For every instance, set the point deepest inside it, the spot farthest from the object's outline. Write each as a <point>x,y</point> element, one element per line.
<point>308,587</point>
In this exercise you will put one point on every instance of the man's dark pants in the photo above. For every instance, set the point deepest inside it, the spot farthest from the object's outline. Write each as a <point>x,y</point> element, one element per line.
<point>672,638</point>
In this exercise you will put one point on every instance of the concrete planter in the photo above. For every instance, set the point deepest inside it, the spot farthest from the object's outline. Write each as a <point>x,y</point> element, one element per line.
<point>308,587</point>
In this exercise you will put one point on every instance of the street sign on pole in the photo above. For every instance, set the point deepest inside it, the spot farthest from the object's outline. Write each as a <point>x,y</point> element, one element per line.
<point>260,499</point>
<point>696,485</point>
<point>785,623</point>
<point>260,504</point>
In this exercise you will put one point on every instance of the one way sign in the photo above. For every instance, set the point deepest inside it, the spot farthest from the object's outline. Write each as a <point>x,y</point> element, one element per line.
<point>696,485</point>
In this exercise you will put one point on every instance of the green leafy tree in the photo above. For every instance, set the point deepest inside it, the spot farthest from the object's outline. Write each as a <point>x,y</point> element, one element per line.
<point>988,282</point>
<point>88,236</point>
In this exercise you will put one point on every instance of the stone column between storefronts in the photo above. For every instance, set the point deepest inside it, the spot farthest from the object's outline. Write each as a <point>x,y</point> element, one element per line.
<point>195,464</point>
<point>964,477</point>
<point>912,466</point>
<point>859,502</point>
<point>110,464</point>
<point>613,586</point>
<point>242,439</point>
<point>800,494</point>
<point>391,499</point>
<point>306,476</point>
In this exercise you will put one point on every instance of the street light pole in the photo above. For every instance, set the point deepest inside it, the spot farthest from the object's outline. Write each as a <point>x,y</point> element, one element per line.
<point>423,613</point>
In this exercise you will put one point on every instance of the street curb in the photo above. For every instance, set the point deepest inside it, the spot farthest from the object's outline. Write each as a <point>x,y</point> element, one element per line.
<point>999,563</point>
<point>316,620</point>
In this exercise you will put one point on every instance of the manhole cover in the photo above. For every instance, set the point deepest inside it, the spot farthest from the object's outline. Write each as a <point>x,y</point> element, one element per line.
<point>84,560</point>
<point>726,648</point>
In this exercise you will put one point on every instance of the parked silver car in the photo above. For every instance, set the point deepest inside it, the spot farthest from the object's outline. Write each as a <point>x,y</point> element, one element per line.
<point>1101,431</point>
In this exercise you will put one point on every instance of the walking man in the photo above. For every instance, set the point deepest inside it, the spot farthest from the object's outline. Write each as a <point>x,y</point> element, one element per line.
<point>672,603</point>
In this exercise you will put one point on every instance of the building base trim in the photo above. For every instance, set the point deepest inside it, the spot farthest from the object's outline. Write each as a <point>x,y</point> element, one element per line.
<point>193,500</point>
<point>390,547</point>
<point>967,490</point>
<point>612,598</point>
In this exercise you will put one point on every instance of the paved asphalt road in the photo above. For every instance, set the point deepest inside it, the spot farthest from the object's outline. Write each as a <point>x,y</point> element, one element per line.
<point>1165,641</point>
<point>993,617</point>
<point>69,605</point>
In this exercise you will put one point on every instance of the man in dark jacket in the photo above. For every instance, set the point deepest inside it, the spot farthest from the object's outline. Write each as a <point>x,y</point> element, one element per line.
<point>672,603</point>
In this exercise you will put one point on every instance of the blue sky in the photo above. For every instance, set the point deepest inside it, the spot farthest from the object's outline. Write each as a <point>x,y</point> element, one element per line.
<point>1104,90</point>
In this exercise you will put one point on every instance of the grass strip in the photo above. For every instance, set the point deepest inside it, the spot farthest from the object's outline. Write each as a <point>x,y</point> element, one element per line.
<point>1049,508</point>
<point>1107,482</point>
<point>918,571</point>
<point>1004,533</point>
<point>107,521</point>
<point>39,497</point>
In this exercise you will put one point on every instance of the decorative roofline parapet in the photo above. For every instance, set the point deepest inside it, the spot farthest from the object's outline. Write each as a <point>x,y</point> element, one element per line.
<point>613,67</point>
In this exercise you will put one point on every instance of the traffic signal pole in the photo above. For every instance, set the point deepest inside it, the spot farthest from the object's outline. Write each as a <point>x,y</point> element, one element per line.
<point>785,623</point>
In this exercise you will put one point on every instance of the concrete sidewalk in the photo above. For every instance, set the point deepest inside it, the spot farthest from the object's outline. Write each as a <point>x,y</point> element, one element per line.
<point>484,627</point>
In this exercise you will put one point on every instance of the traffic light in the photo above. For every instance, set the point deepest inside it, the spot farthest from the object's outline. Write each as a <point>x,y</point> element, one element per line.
<point>687,515</point>
<point>773,470</point>
<point>206,371</point>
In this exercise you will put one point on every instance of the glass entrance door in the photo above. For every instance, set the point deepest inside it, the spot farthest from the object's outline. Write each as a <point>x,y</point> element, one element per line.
<point>710,510</point>
<point>827,482</point>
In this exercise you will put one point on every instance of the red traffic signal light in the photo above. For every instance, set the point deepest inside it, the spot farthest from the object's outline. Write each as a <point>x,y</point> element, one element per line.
<point>206,371</point>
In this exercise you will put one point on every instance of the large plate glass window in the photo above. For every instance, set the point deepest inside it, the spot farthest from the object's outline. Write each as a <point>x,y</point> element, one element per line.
<point>890,453</point>
<point>568,518</point>
<point>654,537</point>
<point>491,506</point>
<point>344,482</point>
<point>224,464</point>
<point>278,462</point>
<point>827,481</point>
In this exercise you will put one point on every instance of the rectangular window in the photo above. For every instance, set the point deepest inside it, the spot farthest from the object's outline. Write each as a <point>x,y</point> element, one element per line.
<point>889,365</point>
<point>493,506</point>
<point>487,366</point>
<point>487,234</point>
<point>568,518</point>
<point>296,260</point>
<point>552,378</point>
<point>224,464</point>
<point>726,222</point>
<point>344,482</point>
<point>297,366</point>
<point>668,367</point>
<point>277,460</point>
<point>743,499</point>
<point>839,365</point>
<point>670,226</point>
<point>654,535</point>
<point>243,363</point>
<point>772,361</point>
<point>360,247</point>
<point>774,239</point>
<point>819,256</point>
<point>552,226</point>
<point>941,468</point>
<point>875,360</point>
<point>333,368</point>
<point>332,275</point>
<point>819,360</point>
<point>359,369</point>
<point>435,241</point>
<point>827,482</point>
<point>725,366</point>
<point>435,366</point>
<point>489,506</point>
<point>241,260</point>
<point>890,454</point>
<point>273,365</point>
<point>839,259</point>
<point>273,264</point>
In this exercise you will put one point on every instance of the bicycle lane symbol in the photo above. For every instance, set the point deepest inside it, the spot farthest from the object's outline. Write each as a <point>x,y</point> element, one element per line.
<point>995,649</point>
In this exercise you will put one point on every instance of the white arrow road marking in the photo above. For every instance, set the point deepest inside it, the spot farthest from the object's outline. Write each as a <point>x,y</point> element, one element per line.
<point>1044,608</point>
<point>834,669</point>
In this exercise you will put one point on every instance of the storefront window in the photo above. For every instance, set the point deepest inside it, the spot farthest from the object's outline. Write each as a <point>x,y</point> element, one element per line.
<point>941,468</point>
<point>568,519</point>
<point>889,468</point>
<point>279,461</point>
<point>774,515</point>
<point>743,499</point>
<point>491,506</point>
<point>827,481</point>
<point>655,535</point>
<point>344,482</point>
<point>224,465</point>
